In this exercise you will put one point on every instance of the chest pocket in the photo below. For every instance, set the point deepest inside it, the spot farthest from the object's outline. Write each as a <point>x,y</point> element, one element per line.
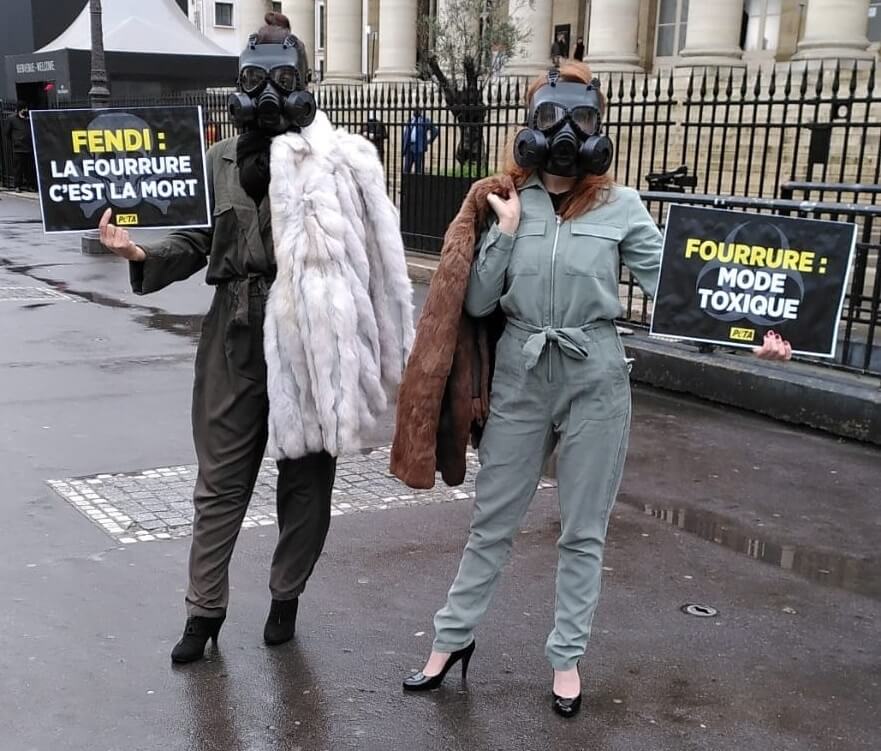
<point>527,252</point>
<point>593,250</point>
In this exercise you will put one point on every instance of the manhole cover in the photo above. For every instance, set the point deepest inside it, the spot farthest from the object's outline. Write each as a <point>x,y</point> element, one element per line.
<point>699,611</point>
<point>31,294</point>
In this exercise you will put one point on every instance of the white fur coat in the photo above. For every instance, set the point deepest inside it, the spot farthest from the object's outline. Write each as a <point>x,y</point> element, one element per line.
<point>339,319</point>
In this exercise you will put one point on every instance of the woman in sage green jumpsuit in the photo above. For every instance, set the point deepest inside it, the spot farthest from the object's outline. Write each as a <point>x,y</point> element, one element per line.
<point>561,376</point>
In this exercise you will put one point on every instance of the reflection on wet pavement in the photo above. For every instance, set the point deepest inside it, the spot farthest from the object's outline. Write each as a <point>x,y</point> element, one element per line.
<point>854,574</point>
<point>189,326</point>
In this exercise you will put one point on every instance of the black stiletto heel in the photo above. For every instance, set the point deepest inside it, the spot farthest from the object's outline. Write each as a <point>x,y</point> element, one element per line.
<point>197,632</point>
<point>567,708</point>
<point>422,682</point>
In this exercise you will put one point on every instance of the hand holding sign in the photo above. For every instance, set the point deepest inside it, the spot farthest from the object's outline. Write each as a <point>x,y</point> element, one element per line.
<point>775,347</point>
<point>118,240</point>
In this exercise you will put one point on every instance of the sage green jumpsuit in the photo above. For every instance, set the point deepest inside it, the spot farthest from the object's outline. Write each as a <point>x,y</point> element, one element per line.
<point>561,376</point>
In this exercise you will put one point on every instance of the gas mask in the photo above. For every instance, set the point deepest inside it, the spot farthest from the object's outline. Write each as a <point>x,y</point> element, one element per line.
<point>273,80</point>
<point>564,131</point>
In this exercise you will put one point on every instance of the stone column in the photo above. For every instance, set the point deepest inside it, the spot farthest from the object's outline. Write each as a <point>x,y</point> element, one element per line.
<point>537,54</point>
<point>836,29</point>
<point>713,33</point>
<point>397,40</point>
<point>611,32</point>
<point>344,37</point>
<point>302,17</point>
<point>248,18</point>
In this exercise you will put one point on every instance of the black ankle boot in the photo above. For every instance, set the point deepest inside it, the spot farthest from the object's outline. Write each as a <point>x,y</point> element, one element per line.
<point>281,623</point>
<point>197,632</point>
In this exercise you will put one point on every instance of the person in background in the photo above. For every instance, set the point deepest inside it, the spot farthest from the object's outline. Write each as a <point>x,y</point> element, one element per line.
<point>419,134</point>
<point>18,130</point>
<point>579,49</point>
<point>375,132</point>
<point>558,50</point>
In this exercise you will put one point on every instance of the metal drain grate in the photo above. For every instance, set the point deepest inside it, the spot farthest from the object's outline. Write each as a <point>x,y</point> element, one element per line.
<point>32,294</point>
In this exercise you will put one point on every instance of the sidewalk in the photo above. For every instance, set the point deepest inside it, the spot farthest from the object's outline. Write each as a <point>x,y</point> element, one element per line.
<point>841,403</point>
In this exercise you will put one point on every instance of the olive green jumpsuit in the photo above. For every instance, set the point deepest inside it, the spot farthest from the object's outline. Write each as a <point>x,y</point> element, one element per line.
<point>561,375</point>
<point>230,403</point>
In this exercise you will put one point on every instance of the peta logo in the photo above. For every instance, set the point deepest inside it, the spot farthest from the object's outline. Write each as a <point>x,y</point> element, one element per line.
<point>742,335</point>
<point>126,220</point>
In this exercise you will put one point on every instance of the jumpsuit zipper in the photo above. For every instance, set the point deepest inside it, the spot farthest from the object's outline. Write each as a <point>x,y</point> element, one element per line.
<point>553,293</point>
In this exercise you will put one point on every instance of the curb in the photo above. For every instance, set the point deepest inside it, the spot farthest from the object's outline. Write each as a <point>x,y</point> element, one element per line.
<point>837,402</point>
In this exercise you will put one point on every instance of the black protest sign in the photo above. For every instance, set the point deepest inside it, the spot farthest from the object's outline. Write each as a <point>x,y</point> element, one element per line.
<point>729,277</point>
<point>146,164</point>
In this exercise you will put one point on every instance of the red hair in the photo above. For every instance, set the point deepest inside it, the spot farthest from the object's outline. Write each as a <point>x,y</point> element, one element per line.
<point>590,190</point>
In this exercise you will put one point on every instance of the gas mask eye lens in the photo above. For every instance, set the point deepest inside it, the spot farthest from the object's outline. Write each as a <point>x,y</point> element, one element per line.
<point>285,77</point>
<point>548,115</point>
<point>252,78</point>
<point>586,120</point>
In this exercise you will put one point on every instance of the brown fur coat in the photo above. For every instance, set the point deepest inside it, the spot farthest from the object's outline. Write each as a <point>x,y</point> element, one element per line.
<point>444,396</point>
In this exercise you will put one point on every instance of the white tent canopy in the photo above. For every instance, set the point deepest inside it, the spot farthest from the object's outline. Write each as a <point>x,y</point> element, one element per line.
<point>156,27</point>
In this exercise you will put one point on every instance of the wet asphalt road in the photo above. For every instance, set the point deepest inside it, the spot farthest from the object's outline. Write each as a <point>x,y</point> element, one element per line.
<point>777,528</point>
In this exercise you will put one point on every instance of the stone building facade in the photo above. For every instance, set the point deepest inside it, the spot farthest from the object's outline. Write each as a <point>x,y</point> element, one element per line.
<point>353,40</point>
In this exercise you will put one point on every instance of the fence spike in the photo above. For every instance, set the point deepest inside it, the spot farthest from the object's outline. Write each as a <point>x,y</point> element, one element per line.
<point>852,84</point>
<point>772,85</point>
<point>671,89</point>
<point>836,78</point>
<point>689,91</point>
<point>757,89</point>
<point>744,85</point>
<point>703,91</point>
<point>729,87</point>
<point>645,87</point>
<point>818,88</point>
<point>787,85</point>
<point>716,85</point>
<point>632,87</point>
<point>657,85</point>
<point>870,84</point>
<point>803,86</point>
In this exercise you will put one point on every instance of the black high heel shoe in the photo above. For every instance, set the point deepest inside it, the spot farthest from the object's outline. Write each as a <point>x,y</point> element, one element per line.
<point>281,623</point>
<point>567,708</point>
<point>197,632</point>
<point>422,682</point>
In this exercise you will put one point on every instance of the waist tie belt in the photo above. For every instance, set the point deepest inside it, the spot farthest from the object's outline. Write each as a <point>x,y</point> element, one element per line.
<point>240,291</point>
<point>572,341</point>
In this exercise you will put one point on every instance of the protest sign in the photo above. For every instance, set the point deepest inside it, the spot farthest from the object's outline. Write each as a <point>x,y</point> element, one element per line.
<point>146,164</point>
<point>729,277</point>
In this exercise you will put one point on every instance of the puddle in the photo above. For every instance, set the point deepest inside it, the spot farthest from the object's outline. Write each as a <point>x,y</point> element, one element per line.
<point>153,318</point>
<point>859,575</point>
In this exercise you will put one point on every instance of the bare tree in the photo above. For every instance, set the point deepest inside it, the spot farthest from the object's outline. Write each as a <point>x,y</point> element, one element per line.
<point>470,42</point>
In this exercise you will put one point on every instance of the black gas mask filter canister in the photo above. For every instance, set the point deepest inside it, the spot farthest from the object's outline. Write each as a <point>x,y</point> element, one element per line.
<point>273,80</point>
<point>564,131</point>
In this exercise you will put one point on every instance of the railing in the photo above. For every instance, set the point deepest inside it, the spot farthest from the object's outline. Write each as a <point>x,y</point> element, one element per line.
<point>757,134</point>
<point>859,340</point>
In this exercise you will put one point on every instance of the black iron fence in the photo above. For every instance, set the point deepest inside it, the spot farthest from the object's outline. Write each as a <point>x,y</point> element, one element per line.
<point>753,134</point>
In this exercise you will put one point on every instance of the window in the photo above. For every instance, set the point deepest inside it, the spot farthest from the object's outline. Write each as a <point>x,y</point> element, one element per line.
<point>762,19</point>
<point>223,14</point>
<point>875,20</point>
<point>276,7</point>
<point>672,22</point>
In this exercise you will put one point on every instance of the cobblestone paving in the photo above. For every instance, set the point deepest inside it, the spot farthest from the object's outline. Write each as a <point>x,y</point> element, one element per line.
<point>156,504</point>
